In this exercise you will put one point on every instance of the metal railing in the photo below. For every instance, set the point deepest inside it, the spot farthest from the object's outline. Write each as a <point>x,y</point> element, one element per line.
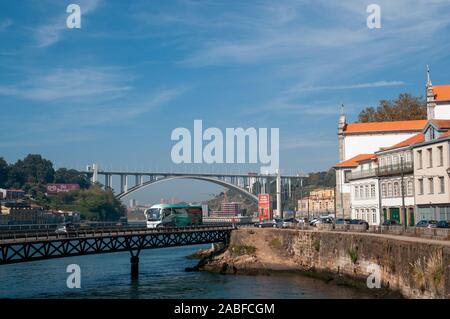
<point>395,169</point>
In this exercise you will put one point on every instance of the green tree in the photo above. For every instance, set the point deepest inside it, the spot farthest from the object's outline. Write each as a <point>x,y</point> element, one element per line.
<point>406,107</point>
<point>71,176</point>
<point>35,169</point>
<point>93,203</point>
<point>4,168</point>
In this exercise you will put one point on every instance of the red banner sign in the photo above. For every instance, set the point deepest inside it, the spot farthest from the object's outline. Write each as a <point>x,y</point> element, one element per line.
<point>57,188</point>
<point>264,210</point>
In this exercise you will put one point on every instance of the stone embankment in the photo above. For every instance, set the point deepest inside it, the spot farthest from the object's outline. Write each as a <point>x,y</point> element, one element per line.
<point>414,267</point>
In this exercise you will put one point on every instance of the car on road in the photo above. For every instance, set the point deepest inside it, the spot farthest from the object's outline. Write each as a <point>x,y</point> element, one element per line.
<point>302,220</point>
<point>325,220</point>
<point>274,223</point>
<point>390,222</point>
<point>443,224</point>
<point>359,222</point>
<point>62,229</point>
<point>342,221</point>
<point>289,222</point>
<point>427,223</point>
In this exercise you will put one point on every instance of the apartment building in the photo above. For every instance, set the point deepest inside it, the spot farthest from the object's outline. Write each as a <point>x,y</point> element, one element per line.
<point>395,174</point>
<point>431,172</point>
<point>364,196</point>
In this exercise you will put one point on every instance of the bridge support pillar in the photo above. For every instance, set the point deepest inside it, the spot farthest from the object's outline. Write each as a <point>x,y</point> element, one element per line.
<point>134,261</point>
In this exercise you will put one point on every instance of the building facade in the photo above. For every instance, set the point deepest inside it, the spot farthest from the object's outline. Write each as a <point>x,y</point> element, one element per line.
<point>319,202</point>
<point>396,181</point>
<point>365,203</point>
<point>359,139</point>
<point>431,173</point>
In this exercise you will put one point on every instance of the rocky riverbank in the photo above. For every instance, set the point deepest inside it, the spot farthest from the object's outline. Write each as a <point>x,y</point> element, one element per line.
<point>405,267</point>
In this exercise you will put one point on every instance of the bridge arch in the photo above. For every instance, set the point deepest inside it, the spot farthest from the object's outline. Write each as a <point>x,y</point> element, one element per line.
<point>223,183</point>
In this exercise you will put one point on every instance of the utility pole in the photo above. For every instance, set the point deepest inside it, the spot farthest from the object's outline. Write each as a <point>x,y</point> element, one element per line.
<point>278,182</point>
<point>403,192</point>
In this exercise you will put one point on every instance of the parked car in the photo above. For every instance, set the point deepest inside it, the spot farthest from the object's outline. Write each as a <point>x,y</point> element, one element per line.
<point>302,220</point>
<point>342,221</point>
<point>289,222</point>
<point>427,223</point>
<point>275,223</point>
<point>390,222</point>
<point>359,222</point>
<point>326,220</point>
<point>443,224</point>
<point>62,229</point>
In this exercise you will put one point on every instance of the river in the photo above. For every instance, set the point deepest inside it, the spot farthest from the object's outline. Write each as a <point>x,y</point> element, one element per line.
<point>162,275</point>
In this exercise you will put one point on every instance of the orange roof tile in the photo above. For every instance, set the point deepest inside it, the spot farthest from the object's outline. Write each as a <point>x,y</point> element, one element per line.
<point>441,92</point>
<point>413,125</point>
<point>445,124</point>
<point>353,162</point>
<point>409,141</point>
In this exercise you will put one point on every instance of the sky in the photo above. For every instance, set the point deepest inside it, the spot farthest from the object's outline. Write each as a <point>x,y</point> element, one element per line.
<point>112,91</point>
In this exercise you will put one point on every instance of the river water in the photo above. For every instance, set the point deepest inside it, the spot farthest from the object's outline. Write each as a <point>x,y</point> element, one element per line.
<point>162,275</point>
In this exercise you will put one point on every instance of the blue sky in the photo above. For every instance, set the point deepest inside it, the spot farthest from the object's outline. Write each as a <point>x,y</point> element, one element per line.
<point>113,91</point>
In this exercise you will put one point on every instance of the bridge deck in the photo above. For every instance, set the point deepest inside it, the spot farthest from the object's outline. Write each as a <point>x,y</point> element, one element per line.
<point>28,247</point>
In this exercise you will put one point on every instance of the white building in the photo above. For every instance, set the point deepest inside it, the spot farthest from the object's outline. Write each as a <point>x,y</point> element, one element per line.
<point>364,195</point>
<point>359,139</point>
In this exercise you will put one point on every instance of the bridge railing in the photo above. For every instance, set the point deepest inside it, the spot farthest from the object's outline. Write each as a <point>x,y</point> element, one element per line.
<point>92,233</point>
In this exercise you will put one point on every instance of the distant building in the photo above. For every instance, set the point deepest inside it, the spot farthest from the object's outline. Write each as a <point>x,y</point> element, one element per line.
<point>11,194</point>
<point>319,202</point>
<point>228,210</point>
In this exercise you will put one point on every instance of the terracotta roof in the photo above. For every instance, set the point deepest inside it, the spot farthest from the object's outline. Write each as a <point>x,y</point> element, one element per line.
<point>354,161</point>
<point>443,124</point>
<point>409,141</point>
<point>441,92</point>
<point>414,125</point>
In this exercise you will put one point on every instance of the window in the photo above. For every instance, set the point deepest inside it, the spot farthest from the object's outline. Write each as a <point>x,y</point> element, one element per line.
<point>395,161</point>
<point>383,190</point>
<point>374,216</point>
<point>357,214</point>
<point>372,190</point>
<point>441,185</point>
<point>430,157</point>
<point>396,189</point>
<point>419,159</point>
<point>410,188</point>
<point>361,191</point>
<point>383,162</point>
<point>441,155</point>
<point>389,189</point>
<point>367,191</point>
<point>408,156</point>
<point>420,186</point>
<point>430,186</point>
<point>356,192</point>
<point>347,174</point>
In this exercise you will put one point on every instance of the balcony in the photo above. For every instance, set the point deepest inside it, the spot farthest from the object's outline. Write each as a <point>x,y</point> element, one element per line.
<point>367,173</point>
<point>395,169</point>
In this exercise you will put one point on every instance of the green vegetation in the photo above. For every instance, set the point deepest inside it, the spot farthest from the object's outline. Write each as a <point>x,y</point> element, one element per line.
<point>316,245</point>
<point>240,250</point>
<point>276,243</point>
<point>353,253</point>
<point>406,107</point>
<point>34,172</point>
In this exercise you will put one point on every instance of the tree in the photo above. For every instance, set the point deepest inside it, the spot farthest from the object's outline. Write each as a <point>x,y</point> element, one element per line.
<point>93,203</point>
<point>4,168</point>
<point>406,107</point>
<point>71,176</point>
<point>35,169</point>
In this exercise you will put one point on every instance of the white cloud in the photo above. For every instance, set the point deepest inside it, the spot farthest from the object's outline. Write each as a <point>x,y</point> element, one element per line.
<point>377,84</point>
<point>76,83</point>
<point>5,24</point>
